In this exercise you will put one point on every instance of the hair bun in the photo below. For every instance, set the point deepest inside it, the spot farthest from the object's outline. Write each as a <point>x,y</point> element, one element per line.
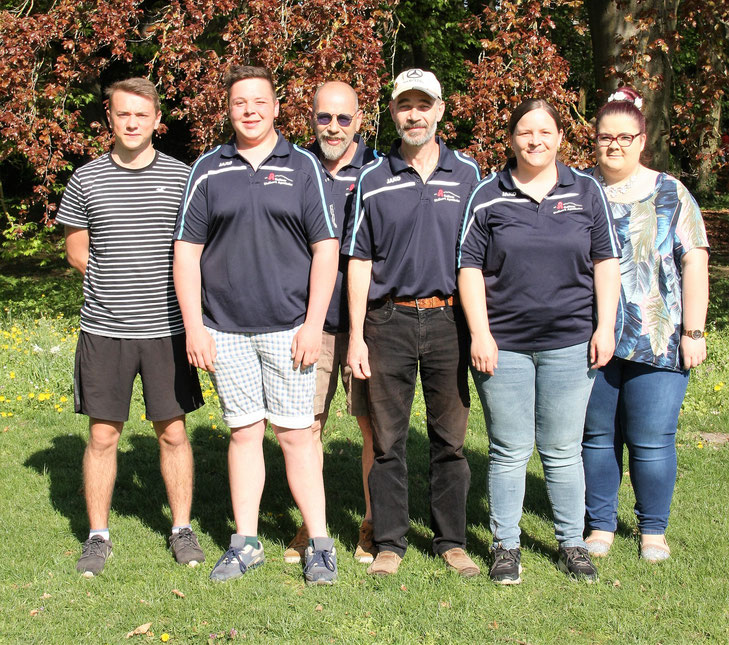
<point>627,94</point>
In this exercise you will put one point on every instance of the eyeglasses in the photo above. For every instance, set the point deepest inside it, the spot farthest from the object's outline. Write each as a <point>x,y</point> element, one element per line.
<point>624,139</point>
<point>324,118</point>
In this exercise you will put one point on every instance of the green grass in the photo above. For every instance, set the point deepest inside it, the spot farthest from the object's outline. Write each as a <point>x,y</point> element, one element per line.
<point>42,521</point>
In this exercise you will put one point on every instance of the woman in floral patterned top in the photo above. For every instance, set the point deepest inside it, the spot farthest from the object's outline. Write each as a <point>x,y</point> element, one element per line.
<point>637,396</point>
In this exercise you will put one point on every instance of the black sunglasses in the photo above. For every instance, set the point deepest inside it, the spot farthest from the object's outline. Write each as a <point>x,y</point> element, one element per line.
<point>324,118</point>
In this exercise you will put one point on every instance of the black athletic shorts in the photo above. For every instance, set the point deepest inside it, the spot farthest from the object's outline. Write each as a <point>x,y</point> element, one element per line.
<point>106,367</point>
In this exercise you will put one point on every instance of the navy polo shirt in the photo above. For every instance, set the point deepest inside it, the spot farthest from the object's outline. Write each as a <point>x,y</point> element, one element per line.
<point>537,258</point>
<point>339,190</point>
<point>409,229</point>
<point>257,227</point>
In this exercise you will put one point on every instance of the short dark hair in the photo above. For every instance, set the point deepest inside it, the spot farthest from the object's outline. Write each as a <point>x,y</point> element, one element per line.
<point>533,104</point>
<point>139,86</point>
<point>237,73</point>
<point>624,106</point>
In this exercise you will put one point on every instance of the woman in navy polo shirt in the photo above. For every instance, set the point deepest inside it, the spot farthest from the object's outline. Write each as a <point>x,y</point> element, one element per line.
<point>664,296</point>
<point>538,236</point>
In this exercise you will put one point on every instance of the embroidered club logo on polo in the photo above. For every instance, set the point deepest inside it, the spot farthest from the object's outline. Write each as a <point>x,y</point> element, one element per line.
<point>561,207</point>
<point>447,195</point>
<point>280,180</point>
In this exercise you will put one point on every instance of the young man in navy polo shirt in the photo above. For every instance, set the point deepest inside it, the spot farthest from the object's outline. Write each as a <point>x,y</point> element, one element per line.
<point>402,242</point>
<point>336,119</point>
<point>256,241</point>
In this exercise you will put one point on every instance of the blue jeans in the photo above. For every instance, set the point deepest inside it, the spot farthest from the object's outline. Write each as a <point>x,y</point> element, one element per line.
<point>636,405</point>
<point>540,396</point>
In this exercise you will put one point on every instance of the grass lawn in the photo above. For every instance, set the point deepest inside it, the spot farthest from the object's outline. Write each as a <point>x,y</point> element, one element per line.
<point>43,521</point>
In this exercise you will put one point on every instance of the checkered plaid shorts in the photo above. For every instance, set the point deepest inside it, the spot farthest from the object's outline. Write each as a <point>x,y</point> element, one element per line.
<point>255,379</point>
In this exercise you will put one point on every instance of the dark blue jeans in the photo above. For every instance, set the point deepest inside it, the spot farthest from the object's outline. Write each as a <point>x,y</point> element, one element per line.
<point>635,405</point>
<point>402,340</point>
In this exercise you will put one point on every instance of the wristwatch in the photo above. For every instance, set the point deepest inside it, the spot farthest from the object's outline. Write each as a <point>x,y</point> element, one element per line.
<point>696,334</point>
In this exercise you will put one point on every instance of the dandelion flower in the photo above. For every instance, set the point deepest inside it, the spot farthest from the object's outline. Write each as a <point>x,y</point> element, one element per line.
<point>12,374</point>
<point>718,386</point>
<point>165,637</point>
<point>63,399</point>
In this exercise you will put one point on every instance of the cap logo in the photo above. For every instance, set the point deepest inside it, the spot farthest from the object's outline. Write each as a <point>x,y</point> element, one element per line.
<point>415,73</point>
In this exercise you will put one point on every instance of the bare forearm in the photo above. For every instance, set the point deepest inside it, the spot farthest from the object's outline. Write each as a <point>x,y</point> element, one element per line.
<point>323,275</point>
<point>77,248</point>
<point>695,288</point>
<point>607,291</point>
<point>186,273</point>
<point>359,274</point>
<point>472,294</point>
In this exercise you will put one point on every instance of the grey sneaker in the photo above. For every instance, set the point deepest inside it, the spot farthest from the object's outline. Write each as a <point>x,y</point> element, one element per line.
<point>320,559</point>
<point>186,548</point>
<point>94,553</point>
<point>239,558</point>
<point>575,562</point>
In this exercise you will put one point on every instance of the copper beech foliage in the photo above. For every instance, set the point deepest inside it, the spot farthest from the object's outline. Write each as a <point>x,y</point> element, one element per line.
<point>517,61</point>
<point>55,54</point>
<point>52,55</point>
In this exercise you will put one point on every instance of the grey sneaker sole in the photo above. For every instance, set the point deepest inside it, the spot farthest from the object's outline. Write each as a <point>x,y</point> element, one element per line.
<point>365,559</point>
<point>312,583</point>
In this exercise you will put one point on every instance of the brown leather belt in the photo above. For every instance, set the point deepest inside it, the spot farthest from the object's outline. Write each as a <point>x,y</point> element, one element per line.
<point>425,303</point>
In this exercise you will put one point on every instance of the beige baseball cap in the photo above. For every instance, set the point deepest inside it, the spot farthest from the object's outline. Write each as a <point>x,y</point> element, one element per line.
<point>417,79</point>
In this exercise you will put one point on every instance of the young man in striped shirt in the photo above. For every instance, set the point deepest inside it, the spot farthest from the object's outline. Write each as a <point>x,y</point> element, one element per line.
<point>119,214</point>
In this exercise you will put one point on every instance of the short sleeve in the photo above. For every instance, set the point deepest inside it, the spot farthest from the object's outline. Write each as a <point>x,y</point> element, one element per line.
<point>473,238</point>
<point>690,228</point>
<point>193,216</point>
<point>72,211</point>
<point>317,219</point>
<point>604,240</point>
<point>357,241</point>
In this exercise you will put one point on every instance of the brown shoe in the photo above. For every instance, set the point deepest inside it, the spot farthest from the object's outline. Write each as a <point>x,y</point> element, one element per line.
<point>295,551</point>
<point>366,551</point>
<point>458,560</point>
<point>386,563</point>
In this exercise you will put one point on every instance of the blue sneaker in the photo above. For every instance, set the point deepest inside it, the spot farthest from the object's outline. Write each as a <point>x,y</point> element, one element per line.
<point>320,559</point>
<point>239,558</point>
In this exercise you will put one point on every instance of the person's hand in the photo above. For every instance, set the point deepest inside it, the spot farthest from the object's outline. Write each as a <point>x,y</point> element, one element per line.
<point>484,353</point>
<point>201,350</point>
<point>358,358</point>
<point>693,352</point>
<point>306,346</point>
<point>602,347</point>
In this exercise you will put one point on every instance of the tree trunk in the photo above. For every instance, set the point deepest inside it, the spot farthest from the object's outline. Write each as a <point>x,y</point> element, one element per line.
<point>612,35</point>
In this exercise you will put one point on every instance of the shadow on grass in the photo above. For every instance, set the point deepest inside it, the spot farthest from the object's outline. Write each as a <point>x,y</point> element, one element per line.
<point>139,490</point>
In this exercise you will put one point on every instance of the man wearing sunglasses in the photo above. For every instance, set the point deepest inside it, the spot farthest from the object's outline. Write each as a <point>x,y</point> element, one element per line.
<point>403,318</point>
<point>336,119</point>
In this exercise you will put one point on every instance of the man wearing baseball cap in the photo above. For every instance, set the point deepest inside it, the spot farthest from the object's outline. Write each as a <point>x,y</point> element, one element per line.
<point>404,316</point>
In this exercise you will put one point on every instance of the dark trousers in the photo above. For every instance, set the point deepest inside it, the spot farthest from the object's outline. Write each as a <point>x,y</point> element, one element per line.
<point>401,339</point>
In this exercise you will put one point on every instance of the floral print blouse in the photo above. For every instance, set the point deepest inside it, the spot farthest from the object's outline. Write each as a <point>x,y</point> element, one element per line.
<point>655,232</point>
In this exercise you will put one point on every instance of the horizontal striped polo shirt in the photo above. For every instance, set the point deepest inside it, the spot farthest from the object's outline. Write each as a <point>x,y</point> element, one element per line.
<point>257,227</point>
<point>537,258</point>
<point>130,215</point>
<point>339,189</point>
<point>409,229</point>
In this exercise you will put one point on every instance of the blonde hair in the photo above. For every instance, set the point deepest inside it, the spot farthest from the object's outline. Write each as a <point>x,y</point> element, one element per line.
<point>138,86</point>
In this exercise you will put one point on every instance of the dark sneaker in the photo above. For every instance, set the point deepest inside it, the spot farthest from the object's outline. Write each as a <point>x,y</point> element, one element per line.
<point>506,569</point>
<point>239,558</point>
<point>186,548</point>
<point>320,559</point>
<point>366,550</point>
<point>94,553</point>
<point>575,562</point>
<point>294,552</point>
